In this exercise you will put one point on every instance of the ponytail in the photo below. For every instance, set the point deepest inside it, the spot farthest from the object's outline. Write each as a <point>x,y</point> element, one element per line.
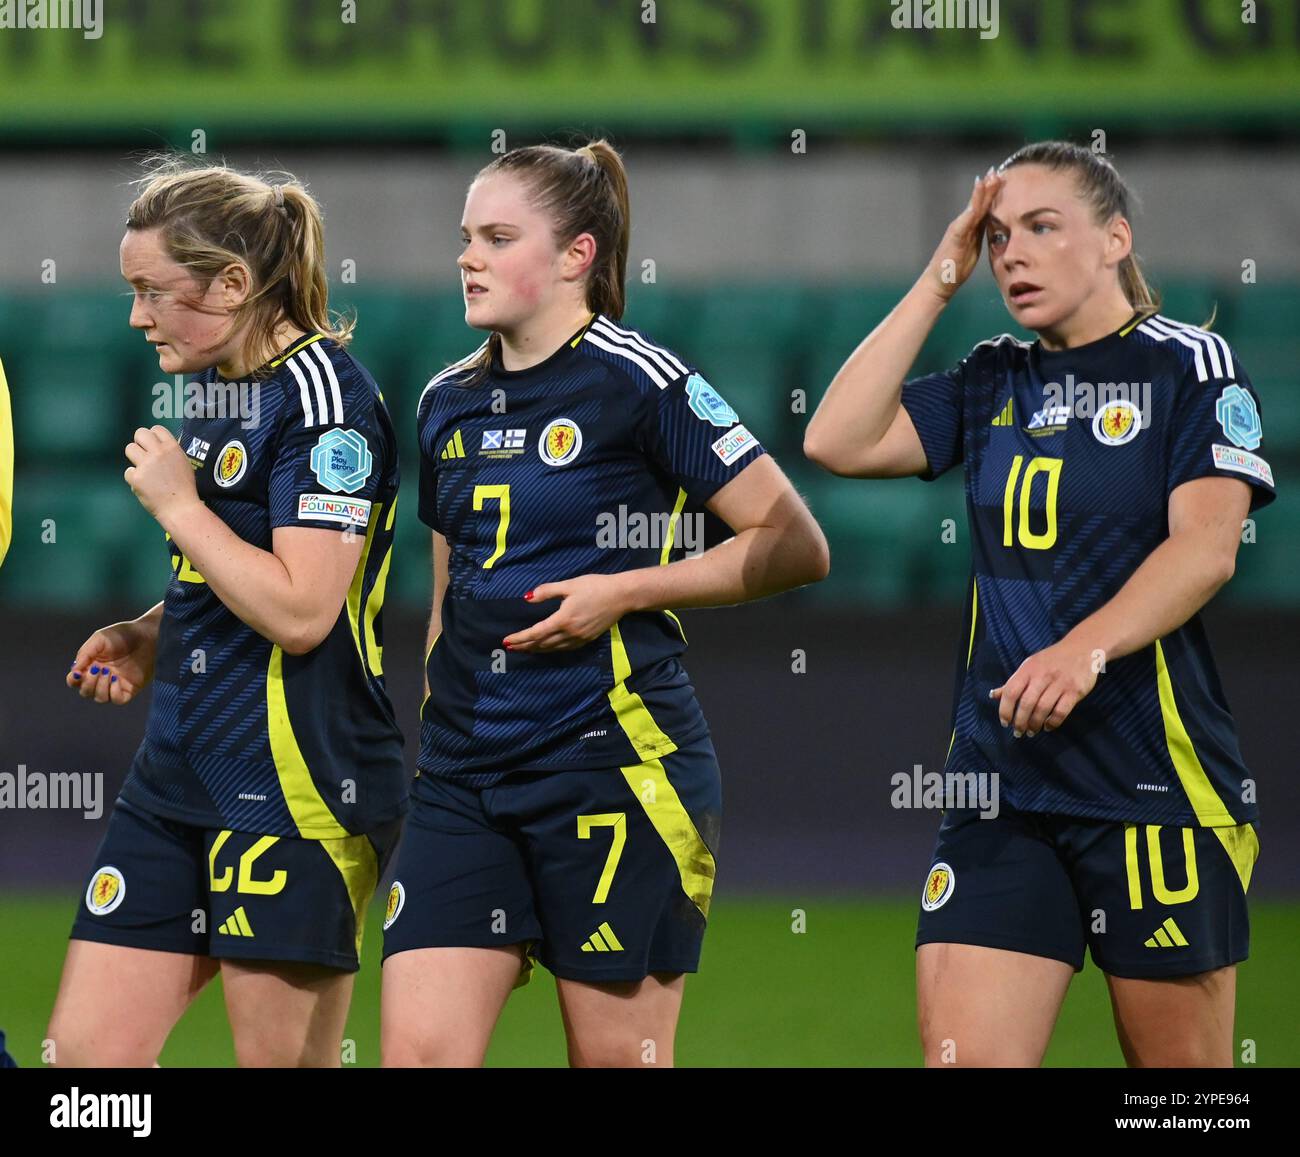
<point>212,217</point>
<point>581,190</point>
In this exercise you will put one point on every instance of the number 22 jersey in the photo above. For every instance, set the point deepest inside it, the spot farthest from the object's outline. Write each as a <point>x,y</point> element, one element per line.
<point>242,734</point>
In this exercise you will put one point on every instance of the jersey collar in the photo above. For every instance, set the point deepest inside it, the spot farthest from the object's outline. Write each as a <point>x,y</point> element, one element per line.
<point>549,364</point>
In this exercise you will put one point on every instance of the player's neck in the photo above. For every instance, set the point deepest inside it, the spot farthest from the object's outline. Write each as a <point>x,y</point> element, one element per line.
<point>538,338</point>
<point>243,361</point>
<point>1091,322</point>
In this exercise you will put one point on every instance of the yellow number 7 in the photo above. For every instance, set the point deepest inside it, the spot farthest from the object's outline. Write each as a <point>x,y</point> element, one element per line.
<point>502,494</point>
<point>617,821</point>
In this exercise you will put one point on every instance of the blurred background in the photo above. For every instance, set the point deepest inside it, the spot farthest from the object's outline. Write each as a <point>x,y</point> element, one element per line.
<point>793,164</point>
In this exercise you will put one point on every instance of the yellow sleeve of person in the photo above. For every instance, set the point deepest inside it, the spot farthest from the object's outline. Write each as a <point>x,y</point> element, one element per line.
<point>6,467</point>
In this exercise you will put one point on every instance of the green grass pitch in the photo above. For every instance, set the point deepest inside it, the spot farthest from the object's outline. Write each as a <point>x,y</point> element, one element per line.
<point>840,993</point>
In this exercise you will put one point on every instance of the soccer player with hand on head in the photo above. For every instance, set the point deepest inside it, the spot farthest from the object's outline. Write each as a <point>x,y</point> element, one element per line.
<point>1109,466</point>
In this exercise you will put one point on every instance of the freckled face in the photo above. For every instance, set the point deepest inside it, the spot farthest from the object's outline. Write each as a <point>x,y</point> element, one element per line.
<point>187,339</point>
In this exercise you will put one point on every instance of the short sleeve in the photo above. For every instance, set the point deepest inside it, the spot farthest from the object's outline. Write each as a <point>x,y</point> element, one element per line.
<point>1217,429</point>
<point>428,496</point>
<point>428,501</point>
<point>327,478</point>
<point>697,438</point>
<point>935,405</point>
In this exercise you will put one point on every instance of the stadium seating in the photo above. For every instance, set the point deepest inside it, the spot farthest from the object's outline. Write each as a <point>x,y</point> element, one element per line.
<point>81,380</point>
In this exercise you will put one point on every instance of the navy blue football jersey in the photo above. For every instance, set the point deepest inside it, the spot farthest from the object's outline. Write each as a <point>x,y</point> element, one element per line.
<point>1070,458</point>
<point>583,464</point>
<point>241,735</point>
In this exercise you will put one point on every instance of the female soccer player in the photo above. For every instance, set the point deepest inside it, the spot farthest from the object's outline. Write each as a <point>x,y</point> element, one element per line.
<point>1102,518</point>
<point>567,801</point>
<point>264,800</point>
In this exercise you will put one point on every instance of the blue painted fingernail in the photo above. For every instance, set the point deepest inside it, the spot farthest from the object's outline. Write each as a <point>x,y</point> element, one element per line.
<point>94,670</point>
<point>113,679</point>
<point>76,674</point>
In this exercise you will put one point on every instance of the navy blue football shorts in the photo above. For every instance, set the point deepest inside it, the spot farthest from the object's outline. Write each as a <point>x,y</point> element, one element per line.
<point>234,895</point>
<point>1147,901</point>
<point>603,875</point>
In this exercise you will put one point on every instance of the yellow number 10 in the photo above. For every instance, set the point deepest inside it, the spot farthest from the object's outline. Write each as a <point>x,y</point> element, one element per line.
<point>1026,537</point>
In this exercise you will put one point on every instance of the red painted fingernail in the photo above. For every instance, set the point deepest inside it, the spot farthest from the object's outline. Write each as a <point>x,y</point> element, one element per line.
<point>509,647</point>
<point>528,594</point>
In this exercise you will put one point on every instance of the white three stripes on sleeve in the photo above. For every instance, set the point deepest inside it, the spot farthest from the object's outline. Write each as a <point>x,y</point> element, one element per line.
<point>654,360</point>
<point>336,394</point>
<point>1200,342</point>
<point>304,360</point>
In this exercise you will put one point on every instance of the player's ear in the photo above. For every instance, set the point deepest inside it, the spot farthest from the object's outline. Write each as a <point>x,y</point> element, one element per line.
<point>578,257</point>
<point>234,284</point>
<point>1119,240</point>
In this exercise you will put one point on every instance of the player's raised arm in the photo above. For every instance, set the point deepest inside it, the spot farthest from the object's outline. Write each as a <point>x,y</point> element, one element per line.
<point>861,430</point>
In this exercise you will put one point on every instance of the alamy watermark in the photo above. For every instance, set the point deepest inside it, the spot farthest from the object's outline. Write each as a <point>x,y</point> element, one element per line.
<point>924,14</point>
<point>1087,399</point>
<point>81,791</point>
<point>942,790</point>
<point>181,399</point>
<point>35,15</point>
<point>638,530</point>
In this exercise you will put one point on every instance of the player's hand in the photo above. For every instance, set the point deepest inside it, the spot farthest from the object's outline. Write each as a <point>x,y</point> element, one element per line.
<point>959,251</point>
<point>1045,688</point>
<point>591,604</point>
<point>160,474</point>
<point>116,662</point>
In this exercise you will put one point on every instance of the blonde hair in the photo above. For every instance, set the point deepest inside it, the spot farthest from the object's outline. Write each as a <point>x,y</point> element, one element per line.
<point>1104,189</point>
<point>213,216</point>
<point>582,190</point>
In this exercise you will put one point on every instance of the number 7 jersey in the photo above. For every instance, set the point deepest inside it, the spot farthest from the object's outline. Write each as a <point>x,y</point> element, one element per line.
<point>582,464</point>
<point>1070,457</point>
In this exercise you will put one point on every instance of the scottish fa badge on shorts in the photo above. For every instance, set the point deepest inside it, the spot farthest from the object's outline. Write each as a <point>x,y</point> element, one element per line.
<point>107,890</point>
<point>939,887</point>
<point>396,901</point>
